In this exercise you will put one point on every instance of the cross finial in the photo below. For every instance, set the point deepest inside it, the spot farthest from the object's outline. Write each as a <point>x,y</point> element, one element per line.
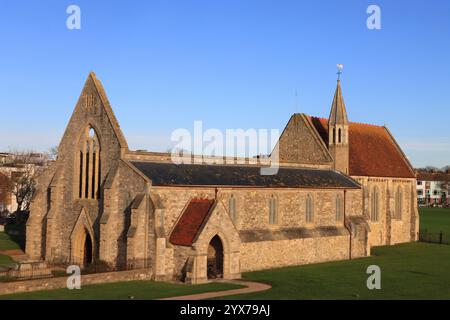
<point>339,67</point>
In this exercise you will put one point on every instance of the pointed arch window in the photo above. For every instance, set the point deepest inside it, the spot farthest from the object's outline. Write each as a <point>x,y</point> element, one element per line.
<point>339,135</point>
<point>89,165</point>
<point>273,218</point>
<point>334,135</point>
<point>399,203</point>
<point>309,209</point>
<point>232,208</point>
<point>339,208</point>
<point>375,204</point>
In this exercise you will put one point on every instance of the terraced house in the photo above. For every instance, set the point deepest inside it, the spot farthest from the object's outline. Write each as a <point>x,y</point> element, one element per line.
<point>342,188</point>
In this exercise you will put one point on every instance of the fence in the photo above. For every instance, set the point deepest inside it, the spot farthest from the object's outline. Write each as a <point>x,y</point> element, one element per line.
<point>434,237</point>
<point>39,270</point>
<point>25,271</point>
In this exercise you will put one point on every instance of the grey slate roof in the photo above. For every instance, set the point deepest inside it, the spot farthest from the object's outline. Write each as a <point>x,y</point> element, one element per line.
<point>169,174</point>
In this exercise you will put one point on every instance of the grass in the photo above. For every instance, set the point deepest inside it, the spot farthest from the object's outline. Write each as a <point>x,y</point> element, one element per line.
<point>140,290</point>
<point>5,260</point>
<point>435,220</point>
<point>408,271</point>
<point>13,241</point>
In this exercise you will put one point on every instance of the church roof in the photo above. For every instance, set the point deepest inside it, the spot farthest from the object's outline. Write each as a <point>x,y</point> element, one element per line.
<point>190,222</point>
<point>373,150</point>
<point>170,174</point>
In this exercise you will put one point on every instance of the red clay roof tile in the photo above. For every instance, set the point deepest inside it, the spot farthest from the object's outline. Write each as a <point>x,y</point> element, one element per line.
<point>372,150</point>
<point>190,222</point>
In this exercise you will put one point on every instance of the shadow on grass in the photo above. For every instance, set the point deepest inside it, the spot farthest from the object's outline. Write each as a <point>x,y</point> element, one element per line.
<point>16,233</point>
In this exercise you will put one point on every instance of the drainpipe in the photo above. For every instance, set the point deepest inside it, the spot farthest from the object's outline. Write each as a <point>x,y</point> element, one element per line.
<point>347,227</point>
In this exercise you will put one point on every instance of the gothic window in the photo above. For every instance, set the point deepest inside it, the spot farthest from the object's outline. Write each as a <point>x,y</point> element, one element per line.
<point>398,203</point>
<point>374,204</point>
<point>334,135</point>
<point>232,206</point>
<point>339,208</point>
<point>309,209</point>
<point>339,136</point>
<point>273,210</point>
<point>89,165</point>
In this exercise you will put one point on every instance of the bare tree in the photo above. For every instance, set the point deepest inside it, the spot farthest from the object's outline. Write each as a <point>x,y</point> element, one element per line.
<point>446,169</point>
<point>5,188</point>
<point>52,153</point>
<point>23,187</point>
<point>431,169</point>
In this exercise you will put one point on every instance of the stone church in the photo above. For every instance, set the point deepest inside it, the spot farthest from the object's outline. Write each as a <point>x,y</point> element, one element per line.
<point>342,187</point>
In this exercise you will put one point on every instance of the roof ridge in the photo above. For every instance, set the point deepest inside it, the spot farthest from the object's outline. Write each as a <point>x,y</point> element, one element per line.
<point>350,122</point>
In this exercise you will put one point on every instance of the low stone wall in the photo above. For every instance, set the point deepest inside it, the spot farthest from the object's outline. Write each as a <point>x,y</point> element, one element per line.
<point>275,254</point>
<point>61,282</point>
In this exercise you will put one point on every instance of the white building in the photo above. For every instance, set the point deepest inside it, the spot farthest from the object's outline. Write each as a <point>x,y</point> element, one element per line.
<point>433,188</point>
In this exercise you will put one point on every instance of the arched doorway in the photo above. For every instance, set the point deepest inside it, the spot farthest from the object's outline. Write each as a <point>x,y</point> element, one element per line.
<point>82,248</point>
<point>215,258</point>
<point>87,257</point>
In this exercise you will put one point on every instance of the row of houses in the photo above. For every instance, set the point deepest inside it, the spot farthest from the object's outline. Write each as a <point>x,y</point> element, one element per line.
<point>433,188</point>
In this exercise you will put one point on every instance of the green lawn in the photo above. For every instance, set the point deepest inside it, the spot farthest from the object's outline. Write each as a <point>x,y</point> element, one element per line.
<point>5,260</point>
<point>140,290</point>
<point>435,220</point>
<point>6,243</point>
<point>11,242</point>
<point>14,240</point>
<point>408,271</point>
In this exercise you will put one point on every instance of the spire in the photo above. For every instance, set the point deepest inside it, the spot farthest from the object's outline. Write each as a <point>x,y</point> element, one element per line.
<point>338,133</point>
<point>338,114</point>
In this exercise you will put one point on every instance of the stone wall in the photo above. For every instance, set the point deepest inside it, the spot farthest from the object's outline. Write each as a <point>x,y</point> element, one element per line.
<point>274,254</point>
<point>290,241</point>
<point>57,205</point>
<point>253,207</point>
<point>389,229</point>
<point>61,282</point>
<point>299,143</point>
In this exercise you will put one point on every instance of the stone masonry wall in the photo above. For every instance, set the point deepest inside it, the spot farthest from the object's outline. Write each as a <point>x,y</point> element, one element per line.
<point>253,207</point>
<point>389,229</point>
<point>253,218</point>
<point>274,254</point>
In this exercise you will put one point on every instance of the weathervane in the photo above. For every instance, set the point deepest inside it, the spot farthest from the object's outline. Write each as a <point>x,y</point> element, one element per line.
<point>340,67</point>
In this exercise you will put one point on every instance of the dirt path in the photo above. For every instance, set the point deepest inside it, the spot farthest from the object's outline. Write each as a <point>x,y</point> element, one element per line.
<point>250,287</point>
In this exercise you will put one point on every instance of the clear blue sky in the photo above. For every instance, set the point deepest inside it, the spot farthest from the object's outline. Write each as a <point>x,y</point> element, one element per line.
<point>230,63</point>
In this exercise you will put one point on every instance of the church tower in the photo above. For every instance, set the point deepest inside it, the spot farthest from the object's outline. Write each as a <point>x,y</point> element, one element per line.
<point>338,132</point>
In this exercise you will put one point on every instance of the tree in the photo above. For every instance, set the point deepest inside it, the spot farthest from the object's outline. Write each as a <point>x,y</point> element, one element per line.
<point>23,187</point>
<point>5,190</point>
<point>27,165</point>
<point>52,153</point>
<point>446,169</point>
